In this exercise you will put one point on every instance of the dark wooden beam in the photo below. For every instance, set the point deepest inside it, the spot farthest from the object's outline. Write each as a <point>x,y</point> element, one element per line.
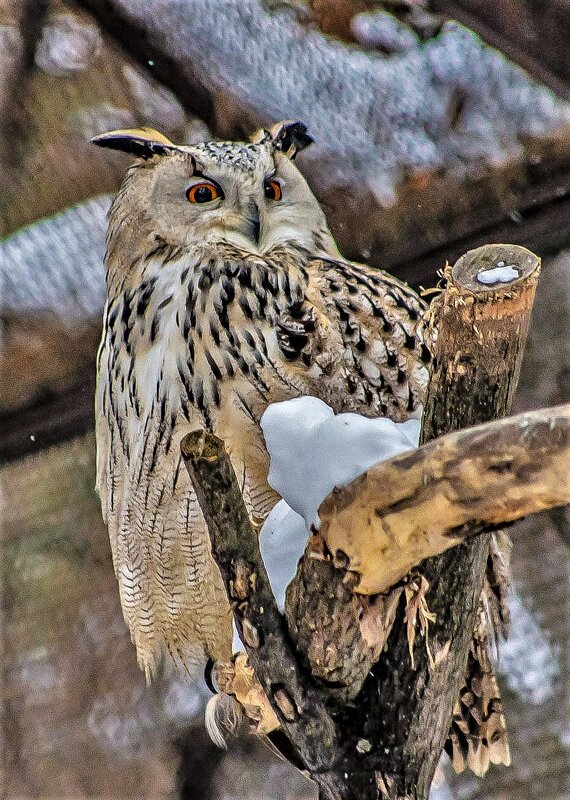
<point>533,35</point>
<point>53,418</point>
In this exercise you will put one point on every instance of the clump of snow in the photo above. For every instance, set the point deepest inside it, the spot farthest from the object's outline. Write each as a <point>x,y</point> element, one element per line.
<point>67,45</point>
<point>282,541</point>
<point>312,450</point>
<point>500,274</point>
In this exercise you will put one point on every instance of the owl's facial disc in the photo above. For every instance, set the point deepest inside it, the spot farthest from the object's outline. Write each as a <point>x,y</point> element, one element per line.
<point>229,204</point>
<point>248,195</point>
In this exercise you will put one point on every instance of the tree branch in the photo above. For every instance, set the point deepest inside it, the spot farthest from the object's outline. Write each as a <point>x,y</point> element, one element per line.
<point>471,375</point>
<point>294,698</point>
<point>484,476</point>
<point>420,504</point>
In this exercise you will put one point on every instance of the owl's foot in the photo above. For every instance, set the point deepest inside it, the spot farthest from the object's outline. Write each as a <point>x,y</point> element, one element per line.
<point>240,702</point>
<point>417,610</point>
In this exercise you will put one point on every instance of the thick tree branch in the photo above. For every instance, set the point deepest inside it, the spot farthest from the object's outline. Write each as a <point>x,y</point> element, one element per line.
<point>453,488</point>
<point>473,371</point>
<point>294,698</point>
<point>420,504</point>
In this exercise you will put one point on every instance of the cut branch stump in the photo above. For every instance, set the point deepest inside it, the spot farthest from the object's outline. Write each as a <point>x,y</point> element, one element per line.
<point>481,334</point>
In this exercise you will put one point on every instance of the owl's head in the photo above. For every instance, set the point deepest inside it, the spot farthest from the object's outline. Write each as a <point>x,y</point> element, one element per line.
<point>249,194</point>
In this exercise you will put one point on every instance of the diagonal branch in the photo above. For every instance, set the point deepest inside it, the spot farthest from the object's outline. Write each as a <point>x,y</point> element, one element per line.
<point>292,694</point>
<point>420,504</point>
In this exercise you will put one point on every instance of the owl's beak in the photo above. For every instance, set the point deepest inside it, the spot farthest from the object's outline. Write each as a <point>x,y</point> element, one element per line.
<point>253,221</point>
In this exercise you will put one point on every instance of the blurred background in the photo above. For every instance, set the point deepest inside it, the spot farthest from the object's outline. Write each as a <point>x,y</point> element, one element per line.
<point>431,138</point>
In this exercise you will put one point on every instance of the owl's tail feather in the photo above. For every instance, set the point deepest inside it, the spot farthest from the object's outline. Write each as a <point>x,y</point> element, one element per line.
<point>171,591</point>
<point>498,582</point>
<point>478,734</point>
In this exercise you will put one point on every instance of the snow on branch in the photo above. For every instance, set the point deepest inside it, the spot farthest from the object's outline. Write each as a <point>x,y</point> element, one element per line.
<point>219,59</point>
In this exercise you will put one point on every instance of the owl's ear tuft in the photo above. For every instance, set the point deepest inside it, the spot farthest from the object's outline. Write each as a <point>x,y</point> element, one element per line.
<point>290,137</point>
<point>139,142</point>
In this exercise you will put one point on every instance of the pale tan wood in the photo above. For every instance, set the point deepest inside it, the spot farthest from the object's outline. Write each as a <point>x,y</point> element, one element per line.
<point>420,504</point>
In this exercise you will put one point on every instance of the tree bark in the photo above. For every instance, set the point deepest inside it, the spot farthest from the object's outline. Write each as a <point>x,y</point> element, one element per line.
<point>482,330</point>
<point>529,454</point>
<point>322,610</point>
<point>422,503</point>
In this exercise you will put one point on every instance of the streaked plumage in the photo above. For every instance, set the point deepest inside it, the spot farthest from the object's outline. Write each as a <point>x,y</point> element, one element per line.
<point>216,309</point>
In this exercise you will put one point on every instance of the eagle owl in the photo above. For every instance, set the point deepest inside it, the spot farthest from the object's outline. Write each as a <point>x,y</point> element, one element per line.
<point>226,292</point>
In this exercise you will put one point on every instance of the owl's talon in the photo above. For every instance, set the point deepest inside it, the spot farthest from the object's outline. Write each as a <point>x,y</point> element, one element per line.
<point>208,675</point>
<point>237,679</point>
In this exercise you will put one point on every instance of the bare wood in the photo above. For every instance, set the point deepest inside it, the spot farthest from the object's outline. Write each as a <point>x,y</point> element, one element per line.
<point>294,698</point>
<point>481,336</point>
<point>422,503</point>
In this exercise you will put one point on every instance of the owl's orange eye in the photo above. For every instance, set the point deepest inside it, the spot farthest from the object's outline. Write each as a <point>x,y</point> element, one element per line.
<point>204,192</point>
<point>273,190</point>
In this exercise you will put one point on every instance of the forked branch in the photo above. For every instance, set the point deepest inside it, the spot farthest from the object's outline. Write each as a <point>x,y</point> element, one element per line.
<point>430,499</point>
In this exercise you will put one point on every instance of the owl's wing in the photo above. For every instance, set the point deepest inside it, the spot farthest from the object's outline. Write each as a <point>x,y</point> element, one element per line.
<point>381,322</point>
<point>170,588</point>
<point>478,734</point>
